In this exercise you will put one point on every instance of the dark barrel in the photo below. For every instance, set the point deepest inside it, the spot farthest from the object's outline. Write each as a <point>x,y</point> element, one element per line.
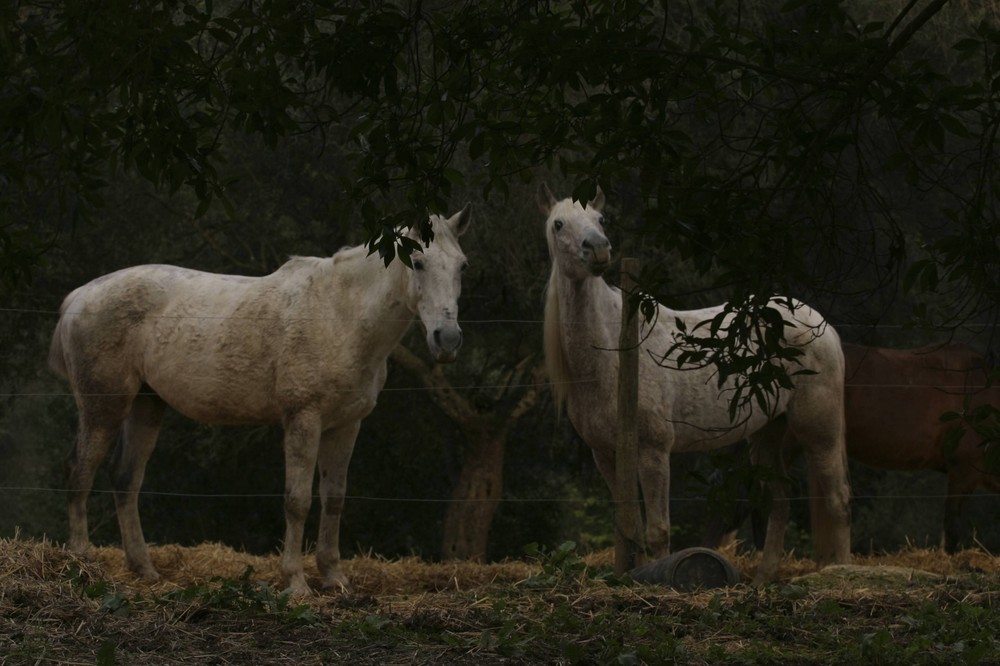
<point>689,569</point>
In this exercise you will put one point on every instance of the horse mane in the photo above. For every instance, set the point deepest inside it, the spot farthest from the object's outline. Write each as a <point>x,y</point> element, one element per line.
<point>556,364</point>
<point>298,262</point>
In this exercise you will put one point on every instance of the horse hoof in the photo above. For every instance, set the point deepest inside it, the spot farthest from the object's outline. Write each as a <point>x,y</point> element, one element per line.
<point>297,593</point>
<point>147,572</point>
<point>297,588</point>
<point>337,585</point>
<point>765,575</point>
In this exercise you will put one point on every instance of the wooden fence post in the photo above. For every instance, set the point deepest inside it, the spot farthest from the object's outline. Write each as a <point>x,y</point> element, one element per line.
<point>628,521</point>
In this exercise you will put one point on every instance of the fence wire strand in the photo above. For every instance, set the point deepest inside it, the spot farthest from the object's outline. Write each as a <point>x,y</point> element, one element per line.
<point>442,500</point>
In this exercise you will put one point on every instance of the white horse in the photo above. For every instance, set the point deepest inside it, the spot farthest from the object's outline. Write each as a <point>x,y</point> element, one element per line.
<point>305,346</point>
<point>684,409</point>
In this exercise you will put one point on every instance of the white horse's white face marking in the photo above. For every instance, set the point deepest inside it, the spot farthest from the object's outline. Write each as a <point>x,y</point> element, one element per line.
<point>436,284</point>
<point>576,234</point>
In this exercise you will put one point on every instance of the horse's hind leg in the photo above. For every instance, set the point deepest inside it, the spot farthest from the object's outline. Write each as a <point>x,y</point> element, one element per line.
<point>952,531</point>
<point>92,444</point>
<point>100,421</point>
<point>822,439</point>
<point>766,452</point>
<point>963,479</point>
<point>139,438</point>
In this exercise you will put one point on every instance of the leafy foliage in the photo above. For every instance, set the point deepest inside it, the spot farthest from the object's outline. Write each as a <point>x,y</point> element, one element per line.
<point>247,595</point>
<point>562,565</point>
<point>734,133</point>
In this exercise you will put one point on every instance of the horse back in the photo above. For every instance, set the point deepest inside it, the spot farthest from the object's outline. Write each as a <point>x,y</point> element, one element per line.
<point>935,361</point>
<point>181,332</point>
<point>226,348</point>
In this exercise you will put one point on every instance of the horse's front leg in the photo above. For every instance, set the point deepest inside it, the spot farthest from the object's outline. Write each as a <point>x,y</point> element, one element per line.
<point>302,435</point>
<point>607,466</point>
<point>654,480</point>
<point>335,451</point>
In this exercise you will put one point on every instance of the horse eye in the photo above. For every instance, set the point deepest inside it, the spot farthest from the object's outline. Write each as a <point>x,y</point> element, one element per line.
<point>418,265</point>
<point>558,224</point>
<point>600,220</point>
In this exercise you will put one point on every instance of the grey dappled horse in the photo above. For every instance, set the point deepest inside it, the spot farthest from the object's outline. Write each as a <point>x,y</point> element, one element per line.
<point>305,347</point>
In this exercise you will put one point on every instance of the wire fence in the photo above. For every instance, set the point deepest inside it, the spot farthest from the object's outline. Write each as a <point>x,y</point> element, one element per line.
<point>468,387</point>
<point>531,321</point>
<point>462,387</point>
<point>608,501</point>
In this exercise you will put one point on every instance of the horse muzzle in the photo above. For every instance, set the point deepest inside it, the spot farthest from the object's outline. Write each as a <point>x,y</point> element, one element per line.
<point>596,253</point>
<point>444,343</point>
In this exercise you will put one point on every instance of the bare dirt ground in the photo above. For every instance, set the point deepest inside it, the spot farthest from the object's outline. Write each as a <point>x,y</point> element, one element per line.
<point>59,608</point>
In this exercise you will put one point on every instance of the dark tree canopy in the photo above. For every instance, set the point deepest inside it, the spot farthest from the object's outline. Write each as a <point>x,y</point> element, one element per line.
<point>784,149</point>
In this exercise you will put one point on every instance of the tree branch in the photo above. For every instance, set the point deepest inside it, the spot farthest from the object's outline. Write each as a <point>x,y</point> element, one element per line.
<point>443,394</point>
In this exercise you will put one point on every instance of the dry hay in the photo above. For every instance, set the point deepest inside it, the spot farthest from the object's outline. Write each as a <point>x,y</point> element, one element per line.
<point>23,562</point>
<point>54,605</point>
<point>183,567</point>
<point>60,607</point>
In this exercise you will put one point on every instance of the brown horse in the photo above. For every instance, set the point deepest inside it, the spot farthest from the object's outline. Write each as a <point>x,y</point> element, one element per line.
<point>894,400</point>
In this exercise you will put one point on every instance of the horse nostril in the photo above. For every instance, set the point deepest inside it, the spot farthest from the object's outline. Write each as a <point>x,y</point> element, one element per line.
<point>448,339</point>
<point>588,245</point>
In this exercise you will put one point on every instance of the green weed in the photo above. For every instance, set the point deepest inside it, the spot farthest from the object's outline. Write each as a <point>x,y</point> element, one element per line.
<point>244,594</point>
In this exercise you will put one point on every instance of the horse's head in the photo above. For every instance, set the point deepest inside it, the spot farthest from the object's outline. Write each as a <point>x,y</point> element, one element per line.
<point>436,283</point>
<point>575,233</point>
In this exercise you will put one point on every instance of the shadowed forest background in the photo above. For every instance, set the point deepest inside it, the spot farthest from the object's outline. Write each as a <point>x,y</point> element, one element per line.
<point>839,152</point>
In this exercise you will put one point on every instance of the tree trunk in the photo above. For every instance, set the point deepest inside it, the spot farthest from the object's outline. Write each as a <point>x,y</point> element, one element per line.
<point>477,494</point>
<point>480,483</point>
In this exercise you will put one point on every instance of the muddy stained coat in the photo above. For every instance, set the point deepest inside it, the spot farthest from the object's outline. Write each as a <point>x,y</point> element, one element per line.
<point>305,347</point>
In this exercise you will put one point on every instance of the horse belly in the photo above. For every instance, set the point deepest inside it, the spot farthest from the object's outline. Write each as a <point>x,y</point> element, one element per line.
<point>220,401</point>
<point>900,434</point>
<point>213,388</point>
<point>212,369</point>
<point>705,425</point>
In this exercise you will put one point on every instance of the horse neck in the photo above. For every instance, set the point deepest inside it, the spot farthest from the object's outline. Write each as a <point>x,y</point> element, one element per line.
<point>581,318</point>
<point>377,295</point>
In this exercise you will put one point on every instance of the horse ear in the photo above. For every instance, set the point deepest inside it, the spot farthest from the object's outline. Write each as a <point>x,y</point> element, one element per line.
<point>463,220</point>
<point>546,200</point>
<point>597,203</point>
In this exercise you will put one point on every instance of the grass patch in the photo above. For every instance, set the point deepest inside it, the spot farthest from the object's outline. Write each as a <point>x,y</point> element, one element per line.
<point>558,607</point>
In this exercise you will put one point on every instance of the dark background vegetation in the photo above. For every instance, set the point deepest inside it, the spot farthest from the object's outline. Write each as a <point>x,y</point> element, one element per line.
<point>841,152</point>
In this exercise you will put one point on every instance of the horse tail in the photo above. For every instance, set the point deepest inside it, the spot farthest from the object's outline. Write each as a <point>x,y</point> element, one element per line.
<point>57,356</point>
<point>555,355</point>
